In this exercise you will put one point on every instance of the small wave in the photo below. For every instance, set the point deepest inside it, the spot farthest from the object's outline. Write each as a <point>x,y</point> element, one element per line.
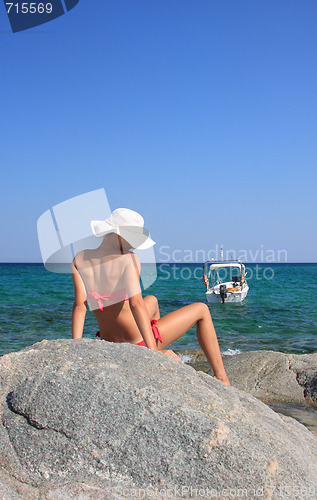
<point>231,352</point>
<point>185,357</point>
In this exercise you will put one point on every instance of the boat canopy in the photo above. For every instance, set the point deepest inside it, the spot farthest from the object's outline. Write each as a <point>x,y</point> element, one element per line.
<point>215,265</point>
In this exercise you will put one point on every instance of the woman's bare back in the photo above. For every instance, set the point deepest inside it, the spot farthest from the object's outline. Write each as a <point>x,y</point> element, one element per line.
<point>110,279</point>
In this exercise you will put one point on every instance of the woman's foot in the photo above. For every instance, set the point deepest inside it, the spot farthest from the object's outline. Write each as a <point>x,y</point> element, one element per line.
<point>223,378</point>
<point>172,354</point>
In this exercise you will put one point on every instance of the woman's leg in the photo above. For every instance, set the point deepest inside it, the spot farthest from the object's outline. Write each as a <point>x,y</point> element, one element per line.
<point>153,310</point>
<point>175,324</point>
<point>152,306</point>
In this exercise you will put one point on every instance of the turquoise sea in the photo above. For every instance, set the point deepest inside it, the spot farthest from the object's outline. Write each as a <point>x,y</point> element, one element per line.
<point>279,313</point>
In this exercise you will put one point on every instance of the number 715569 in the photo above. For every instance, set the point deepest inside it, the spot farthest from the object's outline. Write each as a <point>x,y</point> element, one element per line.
<point>30,8</point>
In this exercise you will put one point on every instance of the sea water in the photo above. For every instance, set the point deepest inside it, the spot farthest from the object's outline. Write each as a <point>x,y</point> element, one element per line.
<point>279,312</point>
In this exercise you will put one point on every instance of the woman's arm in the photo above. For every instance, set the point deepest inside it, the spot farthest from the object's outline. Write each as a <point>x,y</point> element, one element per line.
<point>79,306</point>
<point>141,317</point>
<point>136,301</point>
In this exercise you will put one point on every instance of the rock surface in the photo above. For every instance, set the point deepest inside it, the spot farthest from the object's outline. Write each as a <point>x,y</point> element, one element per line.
<point>275,376</point>
<point>96,420</point>
<point>268,375</point>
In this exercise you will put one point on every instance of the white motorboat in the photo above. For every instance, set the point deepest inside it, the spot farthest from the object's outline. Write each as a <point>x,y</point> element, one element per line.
<point>225,281</point>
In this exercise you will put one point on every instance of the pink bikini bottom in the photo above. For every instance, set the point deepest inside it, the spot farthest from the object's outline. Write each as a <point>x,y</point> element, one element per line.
<point>155,331</point>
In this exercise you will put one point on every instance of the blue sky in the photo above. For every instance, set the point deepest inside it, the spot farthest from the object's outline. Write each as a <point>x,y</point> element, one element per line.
<point>201,115</point>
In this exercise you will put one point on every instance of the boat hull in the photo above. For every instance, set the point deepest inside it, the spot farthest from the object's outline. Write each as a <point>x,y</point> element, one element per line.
<point>238,296</point>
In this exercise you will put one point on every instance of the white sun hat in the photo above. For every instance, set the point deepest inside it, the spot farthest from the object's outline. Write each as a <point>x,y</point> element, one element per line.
<point>125,223</point>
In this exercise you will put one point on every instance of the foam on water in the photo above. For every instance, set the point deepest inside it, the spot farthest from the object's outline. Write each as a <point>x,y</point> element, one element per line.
<point>231,352</point>
<point>185,357</point>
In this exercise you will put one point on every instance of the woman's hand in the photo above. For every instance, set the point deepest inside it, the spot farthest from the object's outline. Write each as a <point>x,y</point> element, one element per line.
<point>141,317</point>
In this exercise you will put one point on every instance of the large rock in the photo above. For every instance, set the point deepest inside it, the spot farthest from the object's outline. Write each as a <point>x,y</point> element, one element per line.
<point>275,376</point>
<point>92,419</point>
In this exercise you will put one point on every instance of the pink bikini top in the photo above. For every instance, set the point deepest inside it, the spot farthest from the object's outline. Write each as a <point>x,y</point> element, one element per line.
<point>117,296</point>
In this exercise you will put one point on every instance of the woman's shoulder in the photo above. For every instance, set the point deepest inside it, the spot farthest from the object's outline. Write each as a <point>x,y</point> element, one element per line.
<point>82,259</point>
<point>130,260</point>
<point>135,258</point>
<point>78,257</point>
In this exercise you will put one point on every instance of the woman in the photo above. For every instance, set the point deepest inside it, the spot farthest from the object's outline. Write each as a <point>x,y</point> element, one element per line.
<point>109,277</point>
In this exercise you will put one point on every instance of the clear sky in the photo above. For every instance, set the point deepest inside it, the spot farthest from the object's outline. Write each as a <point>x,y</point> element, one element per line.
<point>199,114</point>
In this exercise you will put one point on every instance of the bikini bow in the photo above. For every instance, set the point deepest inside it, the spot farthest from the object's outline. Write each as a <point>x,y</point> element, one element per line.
<point>98,297</point>
<point>155,330</point>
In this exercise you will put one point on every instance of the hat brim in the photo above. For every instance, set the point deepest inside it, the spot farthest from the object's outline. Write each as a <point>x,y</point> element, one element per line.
<point>138,240</point>
<point>101,227</point>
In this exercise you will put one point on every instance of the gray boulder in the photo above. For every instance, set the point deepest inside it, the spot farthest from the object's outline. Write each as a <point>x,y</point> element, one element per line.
<point>97,420</point>
<point>275,376</point>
